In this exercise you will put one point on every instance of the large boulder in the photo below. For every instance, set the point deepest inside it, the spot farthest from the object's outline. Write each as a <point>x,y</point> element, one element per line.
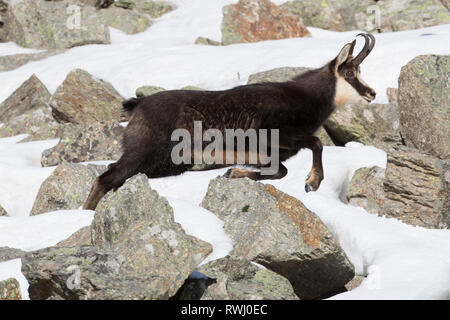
<point>133,16</point>
<point>366,189</point>
<point>373,124</point>
<point>3,23</point>
<point>31,95</point>
<point>66,188</point>
<point>345,15</point>
<point>26,110</point>
<point>129,21</point>
<point>84,99</point>
<point>139,253</point>
<point>11,62</point>
<point>10,290</point>
<point>82,273</point>
<point>154,9</point>
<point>417,189</point>
<point>446,3</point>
<point>7,253</point>
<point>236,278</point>
<point>80,238</point>
<point>278,232</point>
<point>392,95</point>
<point>424,104</point>
<point>39,124</point>
<point>276,75</point>
<point>99,141</point>
<point>324,137</point>
<point>54,24</point>
<point>139,225</point>
<point>258,20</point>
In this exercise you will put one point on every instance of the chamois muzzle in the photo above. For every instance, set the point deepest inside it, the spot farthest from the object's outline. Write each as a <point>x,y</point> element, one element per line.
<point>368,46</point>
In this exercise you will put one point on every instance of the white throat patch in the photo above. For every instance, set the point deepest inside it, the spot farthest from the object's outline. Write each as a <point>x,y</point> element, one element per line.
<point>345,93</point>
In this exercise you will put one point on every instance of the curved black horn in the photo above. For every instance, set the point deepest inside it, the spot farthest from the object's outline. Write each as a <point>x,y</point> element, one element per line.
<point>368,46</point>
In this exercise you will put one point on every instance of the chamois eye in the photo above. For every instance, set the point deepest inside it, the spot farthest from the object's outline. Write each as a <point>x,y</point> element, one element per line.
<point>349,74</point>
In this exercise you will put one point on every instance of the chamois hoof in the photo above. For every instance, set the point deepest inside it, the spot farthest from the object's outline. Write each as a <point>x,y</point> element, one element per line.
<point>308,188</point>
<point>228,173</point>
<point>313,181</point>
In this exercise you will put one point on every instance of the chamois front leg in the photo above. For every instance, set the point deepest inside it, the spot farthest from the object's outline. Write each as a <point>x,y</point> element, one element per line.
<point>315,176</point>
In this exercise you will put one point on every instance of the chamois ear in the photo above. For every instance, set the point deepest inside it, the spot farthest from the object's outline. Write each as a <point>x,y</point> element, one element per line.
<point>346,52</point>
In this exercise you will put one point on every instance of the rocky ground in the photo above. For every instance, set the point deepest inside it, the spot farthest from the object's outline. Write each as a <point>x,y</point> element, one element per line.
<point>134,249</point>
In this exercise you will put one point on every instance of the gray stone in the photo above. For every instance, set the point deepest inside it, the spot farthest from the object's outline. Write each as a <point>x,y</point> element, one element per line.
<point>354,283</point>
<point>66,188</point>
<point>324,137</point>
<point>10,290</point>
<point>392,94</point>
<point>26,111</point>
<point>366,189</point>
<point>424,104</point>
<point>139,225</point>
<point>125,4</point>
<point>347,15</point>
<point>192,88</point>
<point>154,9</point>
<point>129,21</point>
<point>38,123</point>
<point>3,22</point>
<point>373,124</point>
<point>276,75</point>
<point>259,20</point>
<point>53,24</point>
<point>80,238</point>
<point>236,278</point>
<point>278,232</point>
<point>31,95</point>
<point>86,273</point>
<point>3,212</point>
<point>11,62</point>
<point>417,189</point>
<point>139,253</point>
<point>446,3</point>
<point>7,253</point>
<point>207,41</point>
<point>148,90</point>
<point>95,142</point>
<point>84,99</point>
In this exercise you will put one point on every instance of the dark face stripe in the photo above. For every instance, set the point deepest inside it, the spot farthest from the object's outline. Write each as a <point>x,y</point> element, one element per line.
<point>358,84</point>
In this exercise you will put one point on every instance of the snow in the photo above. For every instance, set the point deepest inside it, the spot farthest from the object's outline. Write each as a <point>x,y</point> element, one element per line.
<point>8,48</point>
<point>400,261</point>
<point>43,230</point>
<point>21,173</point>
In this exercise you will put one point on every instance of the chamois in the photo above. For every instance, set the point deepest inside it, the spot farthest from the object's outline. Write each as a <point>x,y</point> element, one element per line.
<point>297,108</point>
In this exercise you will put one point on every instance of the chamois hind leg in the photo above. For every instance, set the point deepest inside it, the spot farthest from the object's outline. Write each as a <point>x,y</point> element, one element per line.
<point>235,173</point>
<point>113,178</point>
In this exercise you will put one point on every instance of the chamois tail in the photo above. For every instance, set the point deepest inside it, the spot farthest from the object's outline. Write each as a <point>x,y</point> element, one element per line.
<point>130,104</point>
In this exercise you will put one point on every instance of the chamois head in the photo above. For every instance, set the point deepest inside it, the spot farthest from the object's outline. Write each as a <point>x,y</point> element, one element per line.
<point>350,88</point>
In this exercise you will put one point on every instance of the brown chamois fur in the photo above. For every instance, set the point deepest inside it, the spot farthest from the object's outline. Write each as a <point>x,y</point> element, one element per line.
<point>297,108</point>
